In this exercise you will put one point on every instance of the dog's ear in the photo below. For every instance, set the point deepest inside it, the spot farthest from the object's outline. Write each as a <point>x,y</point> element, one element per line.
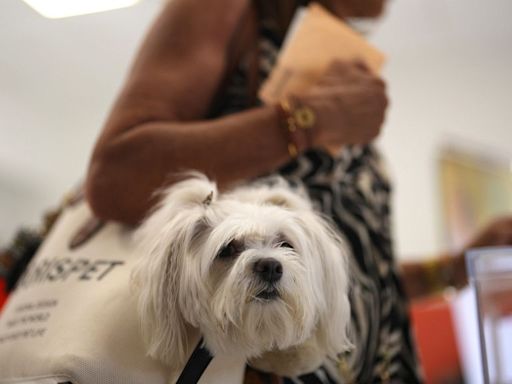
<point>164,239</point>
<point>331,262</point>
<point>195,189</point>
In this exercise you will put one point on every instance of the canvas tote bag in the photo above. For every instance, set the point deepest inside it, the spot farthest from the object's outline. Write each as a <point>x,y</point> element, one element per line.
<point>72,318</point>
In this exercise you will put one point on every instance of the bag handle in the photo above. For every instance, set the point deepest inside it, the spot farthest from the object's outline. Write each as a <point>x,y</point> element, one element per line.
<point>91,227</point>
<point>196,365</point>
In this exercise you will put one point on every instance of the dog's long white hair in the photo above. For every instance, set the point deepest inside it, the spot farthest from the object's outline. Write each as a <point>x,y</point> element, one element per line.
<point>199,274</point>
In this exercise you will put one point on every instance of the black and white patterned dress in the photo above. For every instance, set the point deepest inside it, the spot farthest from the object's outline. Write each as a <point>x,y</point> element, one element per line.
<point>353,190</point>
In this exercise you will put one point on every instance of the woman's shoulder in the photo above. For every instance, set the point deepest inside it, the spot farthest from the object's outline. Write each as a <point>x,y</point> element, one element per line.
<point>191,22</point>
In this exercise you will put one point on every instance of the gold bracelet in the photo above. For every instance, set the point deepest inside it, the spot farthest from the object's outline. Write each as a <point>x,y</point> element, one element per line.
<point>439,273</point>
<point>298,125</point>
<point>432,268</point>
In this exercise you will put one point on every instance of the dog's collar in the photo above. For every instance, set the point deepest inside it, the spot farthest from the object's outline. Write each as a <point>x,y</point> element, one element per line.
<point>196,365</point>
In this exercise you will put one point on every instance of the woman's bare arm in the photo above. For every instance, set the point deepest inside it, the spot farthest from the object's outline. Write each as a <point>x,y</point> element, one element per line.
<point>123,177</point>
<point>449,270</point>
<point>155,128</point>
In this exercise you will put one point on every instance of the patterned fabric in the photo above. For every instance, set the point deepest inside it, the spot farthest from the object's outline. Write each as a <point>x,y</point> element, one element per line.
<point>353,190</point>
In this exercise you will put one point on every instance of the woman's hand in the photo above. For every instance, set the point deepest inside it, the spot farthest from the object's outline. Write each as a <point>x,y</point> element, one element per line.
<point>350,103</point>
<point>497,233</point>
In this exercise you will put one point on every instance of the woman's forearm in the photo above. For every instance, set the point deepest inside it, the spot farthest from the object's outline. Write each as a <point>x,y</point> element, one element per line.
<point>126,170</point>
<point>423,278</point>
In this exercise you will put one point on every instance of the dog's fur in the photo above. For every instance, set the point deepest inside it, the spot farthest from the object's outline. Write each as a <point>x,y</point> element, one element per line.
<point>197,276</point>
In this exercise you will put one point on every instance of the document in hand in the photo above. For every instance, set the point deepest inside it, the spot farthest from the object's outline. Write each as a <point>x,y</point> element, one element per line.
<point>315,39</point>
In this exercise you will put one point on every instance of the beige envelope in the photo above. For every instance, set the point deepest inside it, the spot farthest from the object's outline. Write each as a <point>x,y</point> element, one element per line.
<point>317,40</point>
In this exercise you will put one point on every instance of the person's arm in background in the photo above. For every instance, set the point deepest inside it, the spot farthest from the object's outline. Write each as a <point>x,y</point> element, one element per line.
<point>449,270</point>
<point>157,127</point>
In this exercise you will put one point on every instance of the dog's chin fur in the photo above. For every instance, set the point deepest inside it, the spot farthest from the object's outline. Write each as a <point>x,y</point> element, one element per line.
<point>293,361</point>
<point>186,285</point>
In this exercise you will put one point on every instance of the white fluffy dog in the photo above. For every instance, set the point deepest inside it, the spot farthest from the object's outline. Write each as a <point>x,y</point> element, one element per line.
<point>255,271</point>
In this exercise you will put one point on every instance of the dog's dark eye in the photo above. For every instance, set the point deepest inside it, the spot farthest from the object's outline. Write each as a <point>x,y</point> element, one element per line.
<point>285,244</point>
<point>233,249</point>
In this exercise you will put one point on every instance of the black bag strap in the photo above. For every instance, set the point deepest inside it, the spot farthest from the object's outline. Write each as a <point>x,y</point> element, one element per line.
<point>196,365</point>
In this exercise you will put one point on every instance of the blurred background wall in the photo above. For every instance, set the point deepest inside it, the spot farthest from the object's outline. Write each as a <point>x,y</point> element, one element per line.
<point>449,77</point>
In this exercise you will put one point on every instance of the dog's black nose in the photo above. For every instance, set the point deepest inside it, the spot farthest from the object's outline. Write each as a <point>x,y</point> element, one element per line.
<point>269,270</point>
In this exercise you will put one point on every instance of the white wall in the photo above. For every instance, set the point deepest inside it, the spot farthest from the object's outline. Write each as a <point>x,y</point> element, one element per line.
<point>448,72</point>
<point>450,81</point>
<point>58,79</point>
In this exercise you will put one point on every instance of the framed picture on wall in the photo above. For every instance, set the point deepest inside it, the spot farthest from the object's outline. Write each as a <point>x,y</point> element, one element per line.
<point>475,188</point>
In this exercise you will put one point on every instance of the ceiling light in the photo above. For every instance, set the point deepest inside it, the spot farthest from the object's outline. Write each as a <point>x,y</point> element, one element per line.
<point>55,9</point>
